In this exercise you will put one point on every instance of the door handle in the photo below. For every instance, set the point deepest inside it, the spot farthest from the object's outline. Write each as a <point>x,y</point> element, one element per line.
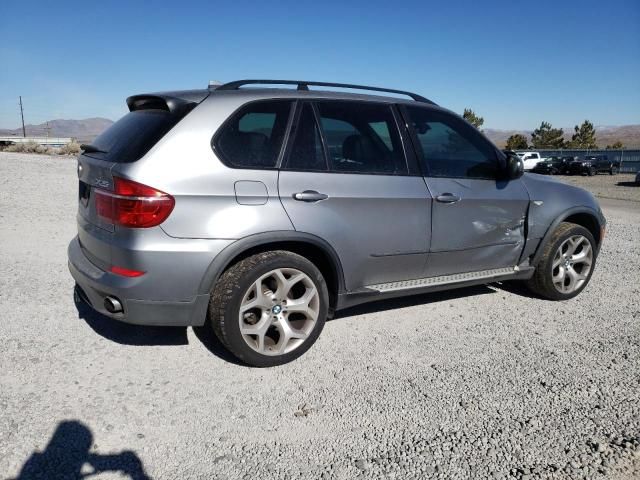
<point>310,196</point>
<point>448,198</point>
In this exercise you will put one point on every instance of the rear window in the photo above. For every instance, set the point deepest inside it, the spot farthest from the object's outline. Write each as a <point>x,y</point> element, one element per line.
<point>131,137</point>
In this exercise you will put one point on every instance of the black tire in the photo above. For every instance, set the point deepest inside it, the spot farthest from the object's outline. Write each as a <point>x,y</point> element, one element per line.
<point>226,298</point>
<point>591,172</point>
<point>613,171</point>
<point>541,283</point>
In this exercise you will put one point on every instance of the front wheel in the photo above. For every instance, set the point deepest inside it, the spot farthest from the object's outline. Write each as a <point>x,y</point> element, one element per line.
<point>567,263</point>
<point>268,309</point>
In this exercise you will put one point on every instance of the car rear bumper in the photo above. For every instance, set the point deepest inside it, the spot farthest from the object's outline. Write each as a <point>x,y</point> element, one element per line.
<point>95,285</point>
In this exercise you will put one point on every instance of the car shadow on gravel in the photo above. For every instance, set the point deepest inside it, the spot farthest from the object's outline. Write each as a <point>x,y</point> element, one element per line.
<point>516,288</point>
<point>68,456</point>
<point>411,301</point>
<point>627,184</point>
<point>127,334</point>
<point>214,345</point>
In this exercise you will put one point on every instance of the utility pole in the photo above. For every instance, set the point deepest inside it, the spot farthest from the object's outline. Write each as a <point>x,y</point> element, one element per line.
<point>24,132</point>
<point>47,128</point>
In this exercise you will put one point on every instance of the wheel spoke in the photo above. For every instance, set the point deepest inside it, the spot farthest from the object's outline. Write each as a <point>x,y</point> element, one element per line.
<point>585,253</point>
<point>559,277</point>
<point>557,260</point>
<point>302,304</point>
<point>259,300</point>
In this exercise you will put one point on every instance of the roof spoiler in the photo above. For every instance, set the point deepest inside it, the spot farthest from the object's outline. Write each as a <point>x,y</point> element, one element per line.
<point>174,102</point>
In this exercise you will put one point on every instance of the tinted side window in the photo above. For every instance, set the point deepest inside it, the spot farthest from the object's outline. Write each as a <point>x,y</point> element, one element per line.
<point>306,151</point>
<point>252,137</point>
<point>362,138</point>
<point>451,148</point>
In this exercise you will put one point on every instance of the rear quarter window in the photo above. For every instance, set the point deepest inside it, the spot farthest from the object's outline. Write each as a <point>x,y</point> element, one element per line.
<point>252,137</point>
<point>131,137</point>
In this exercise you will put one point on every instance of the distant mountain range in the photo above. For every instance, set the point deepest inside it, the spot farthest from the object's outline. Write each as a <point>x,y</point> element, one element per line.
<point>83,130</point>
<point>89,128</point>
<point>629,135</point>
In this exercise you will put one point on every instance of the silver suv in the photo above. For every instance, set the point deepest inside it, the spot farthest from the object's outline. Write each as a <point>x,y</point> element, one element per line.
<point>258,212</point>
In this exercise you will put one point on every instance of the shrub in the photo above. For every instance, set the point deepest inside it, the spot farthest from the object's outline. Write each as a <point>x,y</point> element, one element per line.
<point>72,148</point>
<point>16,147</point>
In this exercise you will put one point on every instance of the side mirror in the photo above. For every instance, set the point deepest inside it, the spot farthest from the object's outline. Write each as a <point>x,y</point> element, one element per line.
<point>515,167</point>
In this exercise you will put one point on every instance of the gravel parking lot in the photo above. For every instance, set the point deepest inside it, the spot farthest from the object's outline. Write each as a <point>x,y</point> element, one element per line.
<point>621,186</point>
<point>484,382</point>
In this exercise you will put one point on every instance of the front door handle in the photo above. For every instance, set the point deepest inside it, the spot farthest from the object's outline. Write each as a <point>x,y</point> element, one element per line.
<point>448,198</point>
<point>310,196</point>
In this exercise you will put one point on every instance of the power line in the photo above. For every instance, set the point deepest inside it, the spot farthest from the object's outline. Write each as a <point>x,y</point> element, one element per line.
<point>24,132</point>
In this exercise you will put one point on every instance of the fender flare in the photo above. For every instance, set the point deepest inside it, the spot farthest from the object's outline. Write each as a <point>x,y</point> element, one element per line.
<point>558,220</point>
<point>224,258</point>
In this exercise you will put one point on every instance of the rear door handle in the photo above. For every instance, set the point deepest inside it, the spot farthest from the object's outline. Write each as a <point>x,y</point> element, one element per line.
<point>309,196</point>
<point>448,198</point>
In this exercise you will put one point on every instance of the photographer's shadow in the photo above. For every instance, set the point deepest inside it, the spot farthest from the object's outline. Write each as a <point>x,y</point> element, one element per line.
<point>67,456</point>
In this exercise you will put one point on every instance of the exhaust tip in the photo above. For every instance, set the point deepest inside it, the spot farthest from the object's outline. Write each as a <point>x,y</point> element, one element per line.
<point>112,305</point>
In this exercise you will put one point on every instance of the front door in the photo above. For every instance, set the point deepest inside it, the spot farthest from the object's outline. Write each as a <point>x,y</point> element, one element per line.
<point>478,218</point>
<point>345,179</point>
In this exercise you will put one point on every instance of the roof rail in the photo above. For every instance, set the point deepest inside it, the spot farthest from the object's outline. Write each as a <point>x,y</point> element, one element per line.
<point>304,85</point>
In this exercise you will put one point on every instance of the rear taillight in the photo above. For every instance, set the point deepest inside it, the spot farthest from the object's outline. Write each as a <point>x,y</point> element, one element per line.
<point>134,205</point>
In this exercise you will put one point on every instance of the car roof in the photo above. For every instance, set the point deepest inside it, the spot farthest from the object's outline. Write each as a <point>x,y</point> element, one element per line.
<point>256,93</point>
<point>260,92</point>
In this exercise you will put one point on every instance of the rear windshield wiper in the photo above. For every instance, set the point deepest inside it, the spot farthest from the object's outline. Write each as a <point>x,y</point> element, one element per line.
<point>91,149</point>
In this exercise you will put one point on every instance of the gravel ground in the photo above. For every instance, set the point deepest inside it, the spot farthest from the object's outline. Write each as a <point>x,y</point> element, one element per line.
<point>485,382</point>
<point>621,186</point>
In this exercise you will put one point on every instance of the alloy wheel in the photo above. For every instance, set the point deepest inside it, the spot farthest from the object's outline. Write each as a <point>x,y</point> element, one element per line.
<point>279,311</point>
<point>572,264</point>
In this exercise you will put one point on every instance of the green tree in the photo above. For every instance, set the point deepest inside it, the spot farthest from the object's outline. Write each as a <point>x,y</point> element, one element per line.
<point>517,141</point>
<point>618,145</point>
<point>471,117</point>
<point>584,136</point>
<point>545,136</point>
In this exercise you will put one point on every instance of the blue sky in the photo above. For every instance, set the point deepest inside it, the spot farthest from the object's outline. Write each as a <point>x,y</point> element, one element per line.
<point>515,63</point>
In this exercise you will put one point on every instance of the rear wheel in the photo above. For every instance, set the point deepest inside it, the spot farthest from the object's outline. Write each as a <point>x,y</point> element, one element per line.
<point>270,308</point>
<point>613,171</point>
<point>567,263</point>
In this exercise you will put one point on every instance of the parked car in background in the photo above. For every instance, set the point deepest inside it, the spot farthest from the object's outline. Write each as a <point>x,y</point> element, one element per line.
<point>638,178</point>
<point>553,166</point>
<point>259,212</point>
<point>582,167</point>
<point>530,159</point>
<point>604,165</point>
<point>593,164</point>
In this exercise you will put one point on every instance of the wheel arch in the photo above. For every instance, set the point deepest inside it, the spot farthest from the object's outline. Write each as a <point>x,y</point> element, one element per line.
<point>313,248</point>
<point>583,216</point>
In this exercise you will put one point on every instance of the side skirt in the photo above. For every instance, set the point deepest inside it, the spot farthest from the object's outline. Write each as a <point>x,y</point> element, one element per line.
<point>382,291</point>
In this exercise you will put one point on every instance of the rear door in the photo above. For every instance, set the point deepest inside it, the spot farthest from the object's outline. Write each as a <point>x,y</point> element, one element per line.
<point>346,180</point>
<point>478,219</point>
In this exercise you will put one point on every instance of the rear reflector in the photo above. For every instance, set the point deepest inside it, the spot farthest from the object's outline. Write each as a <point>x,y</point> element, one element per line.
<point>133,204</point>
<point>125,272</point>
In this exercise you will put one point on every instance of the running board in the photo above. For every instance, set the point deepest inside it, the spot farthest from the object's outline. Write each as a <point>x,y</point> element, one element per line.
<point>443,280</point>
